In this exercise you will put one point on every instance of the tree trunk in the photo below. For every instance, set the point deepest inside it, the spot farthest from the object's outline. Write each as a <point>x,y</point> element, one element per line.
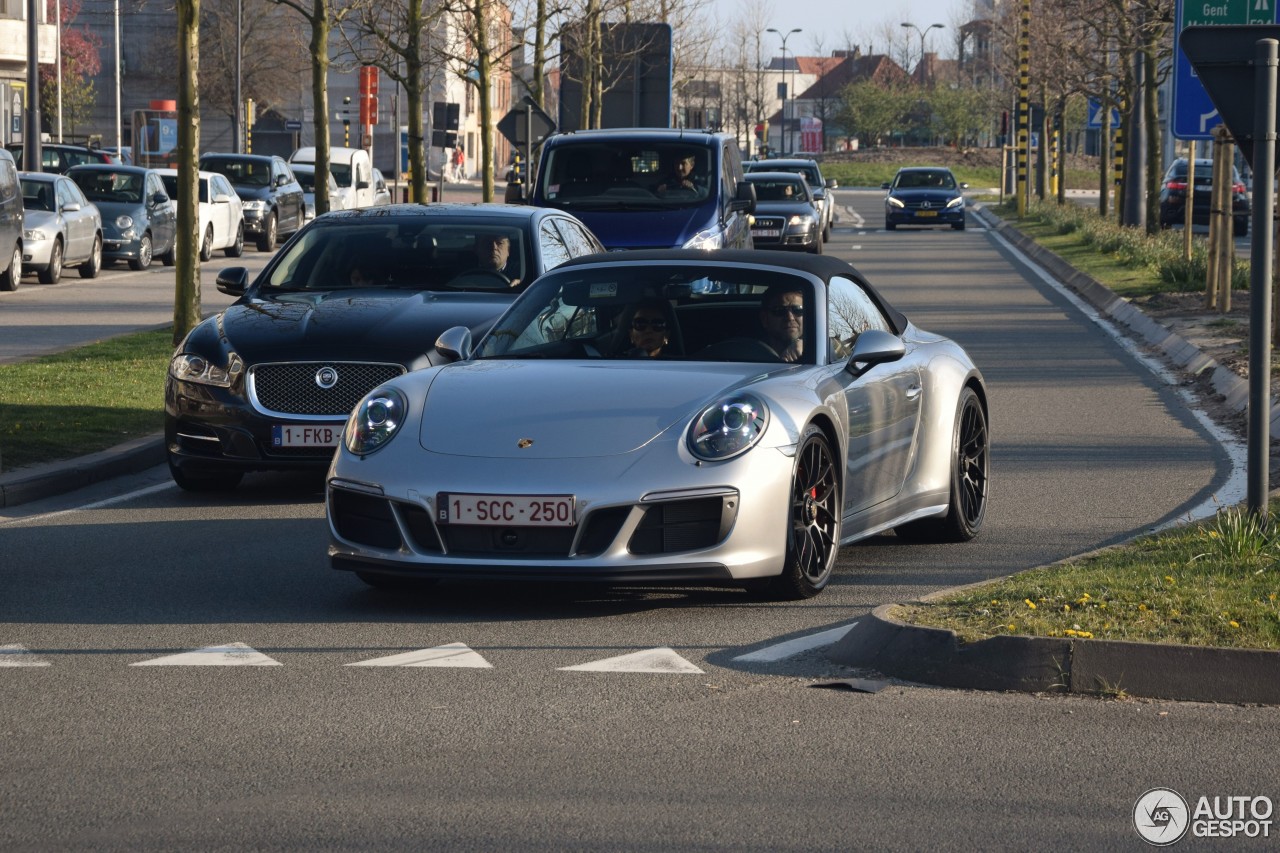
<point>320,99</point>
<point>186,300</point>
<point>1153,153</point>
<point>484,64</point>
<point>415,90</point>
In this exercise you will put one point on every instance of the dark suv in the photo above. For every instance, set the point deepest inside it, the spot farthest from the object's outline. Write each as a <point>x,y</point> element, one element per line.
<point>58,157</point>
<point>1173,197</point>
<point>273,202</point>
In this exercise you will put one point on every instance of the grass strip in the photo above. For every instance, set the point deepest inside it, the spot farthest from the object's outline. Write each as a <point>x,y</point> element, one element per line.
<point>83,400</point>
<point>1213,583</point>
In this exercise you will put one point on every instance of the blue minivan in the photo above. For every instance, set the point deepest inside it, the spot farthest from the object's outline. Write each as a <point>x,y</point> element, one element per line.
<point>648,188</point>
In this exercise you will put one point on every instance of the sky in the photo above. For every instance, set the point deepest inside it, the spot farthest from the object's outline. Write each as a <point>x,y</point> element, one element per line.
<point>864,19</point>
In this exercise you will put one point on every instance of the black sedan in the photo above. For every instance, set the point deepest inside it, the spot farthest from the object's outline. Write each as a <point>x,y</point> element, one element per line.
<point>786,214</point>
<point>1173,196</point>
<point>354,299</point>
<point>924,195</point>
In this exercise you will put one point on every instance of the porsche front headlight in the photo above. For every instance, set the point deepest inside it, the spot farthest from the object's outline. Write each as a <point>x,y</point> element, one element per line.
<point>893,201</point>
<point>728,427</point>
<point>375,421</point>
<point>189,367</point>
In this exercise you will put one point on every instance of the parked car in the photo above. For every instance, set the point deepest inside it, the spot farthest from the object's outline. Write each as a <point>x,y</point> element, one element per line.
<point>381,192</point>
<point>356,299</point>
<point>352,168</point>
<point>59,157</point>
<point>786,215</point>
<point>924,195</point>
<point>220,209</point>
<point>61,228</point>
<point>124,155</point>
<point>138,223</point>
<point>824,199</point>
<point>1173,197</point>
<point>306,175</point>
<point>272,196</point>
<point>627,185</point>
<point>551,450</point>
<point>11,223</point>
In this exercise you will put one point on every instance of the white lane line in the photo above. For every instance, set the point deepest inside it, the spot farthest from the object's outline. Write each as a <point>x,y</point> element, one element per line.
<point>232,654</point>
<point>663,660</point>
<point>128,496</point>
<point>791,648</point>
<point>452,654</point>
<point>19,655</point>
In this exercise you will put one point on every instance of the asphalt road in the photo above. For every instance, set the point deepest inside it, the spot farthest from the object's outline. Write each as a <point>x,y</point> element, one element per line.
<point>313,753</point>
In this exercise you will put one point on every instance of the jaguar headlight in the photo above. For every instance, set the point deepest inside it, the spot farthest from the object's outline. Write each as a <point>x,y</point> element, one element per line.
<point>955,201</point>
<point>893,201</point>
<point>375,421</point>
<point>728,427</point>
<point>188,367</point>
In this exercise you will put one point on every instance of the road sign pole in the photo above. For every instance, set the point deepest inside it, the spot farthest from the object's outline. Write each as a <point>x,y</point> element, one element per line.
<point>1266,57</point>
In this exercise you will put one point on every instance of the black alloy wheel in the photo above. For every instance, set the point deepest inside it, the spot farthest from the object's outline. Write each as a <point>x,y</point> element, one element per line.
<point>813,523</point>
<point>267,241</point>
<point>970,469</point>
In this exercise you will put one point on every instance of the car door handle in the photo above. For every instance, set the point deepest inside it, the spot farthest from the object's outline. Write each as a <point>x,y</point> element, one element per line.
<point>913,392</point>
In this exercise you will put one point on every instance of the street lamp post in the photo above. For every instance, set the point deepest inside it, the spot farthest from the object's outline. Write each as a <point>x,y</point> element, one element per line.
<point>923,33</point>
<point>791,87</point>
<point>237,121</point>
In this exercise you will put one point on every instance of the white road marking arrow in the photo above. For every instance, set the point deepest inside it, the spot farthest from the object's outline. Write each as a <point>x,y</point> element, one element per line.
<point>232,654</point>
<point>453,654</point>
<point>791,648</point>
<point>653,660</point>
<point>17,655</point>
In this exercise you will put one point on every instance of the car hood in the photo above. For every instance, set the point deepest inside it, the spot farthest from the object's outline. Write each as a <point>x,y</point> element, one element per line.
<point>646,229</point>
<point>248,193</point>
<point>369,325</point>
<point>936,195</point>
<point>784,208</point>
<point>39,219</point>
<point>568,409</point>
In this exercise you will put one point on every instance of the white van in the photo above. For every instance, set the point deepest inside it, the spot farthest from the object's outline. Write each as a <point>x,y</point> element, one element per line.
<point>351,168</point>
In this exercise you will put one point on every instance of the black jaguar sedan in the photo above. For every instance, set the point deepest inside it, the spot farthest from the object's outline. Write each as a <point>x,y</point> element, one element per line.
<point>355,298</point>
<point>924,195</point>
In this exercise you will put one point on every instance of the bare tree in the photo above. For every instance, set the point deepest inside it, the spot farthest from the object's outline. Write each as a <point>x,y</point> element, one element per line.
<point>186,298</point>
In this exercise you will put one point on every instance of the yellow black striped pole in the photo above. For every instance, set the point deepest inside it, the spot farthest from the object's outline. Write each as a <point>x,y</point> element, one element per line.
<point>1117,166</point>
<point>1024,87</point>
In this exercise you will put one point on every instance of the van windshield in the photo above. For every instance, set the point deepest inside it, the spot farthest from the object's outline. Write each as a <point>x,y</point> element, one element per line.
<point>623,176</point>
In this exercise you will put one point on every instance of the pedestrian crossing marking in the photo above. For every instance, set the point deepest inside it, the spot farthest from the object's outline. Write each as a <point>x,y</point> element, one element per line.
<point>19,655</point>
<point>232,654</point>
<point>452,655</point>
<point>662,660</point>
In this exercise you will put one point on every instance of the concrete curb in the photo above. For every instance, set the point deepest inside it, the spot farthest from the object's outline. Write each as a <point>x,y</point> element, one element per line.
<point>44,481</point>
<point>1049,664</point>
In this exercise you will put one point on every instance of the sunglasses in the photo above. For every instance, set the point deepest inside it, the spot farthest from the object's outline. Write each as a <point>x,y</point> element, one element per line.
<point>784,310</point>
<point>642,323</point>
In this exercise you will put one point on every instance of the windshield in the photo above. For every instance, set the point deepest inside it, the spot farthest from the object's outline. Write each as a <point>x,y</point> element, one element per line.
<point>241,173</point>
<point>623,175</point>
<point>924,179</point>
<point>685,312</point>
<point>778,190</point>
<point>341,173</point>
<point>444,256</point>
<point>109,186</point>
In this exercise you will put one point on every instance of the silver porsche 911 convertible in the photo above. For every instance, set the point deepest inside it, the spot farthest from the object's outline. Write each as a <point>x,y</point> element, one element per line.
<point>674,417</point>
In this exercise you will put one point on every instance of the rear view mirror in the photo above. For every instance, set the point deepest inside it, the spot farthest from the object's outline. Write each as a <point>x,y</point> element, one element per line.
<point>233,281</point>
<point>874,347</point>
<point>745,197</point>
<point>455,343</point>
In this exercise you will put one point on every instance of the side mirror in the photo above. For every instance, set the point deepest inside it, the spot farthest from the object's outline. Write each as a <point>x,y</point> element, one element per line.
<point>885,185</point>
<point>454,343</point>
<point>874,347</point>
<point>281,180</point>
<point>159,199</point>
<point>362,185</point>
<point>221,198</point>
<point>833,184</point>
<point>744,198</point>
<point>963,185</point>
<point>233,281</point>
<point>71,206</point>
<point>514,194</point>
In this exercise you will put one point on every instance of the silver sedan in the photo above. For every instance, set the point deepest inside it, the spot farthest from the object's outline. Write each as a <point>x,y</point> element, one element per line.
<point>666,417</point>
<point>61,228</point>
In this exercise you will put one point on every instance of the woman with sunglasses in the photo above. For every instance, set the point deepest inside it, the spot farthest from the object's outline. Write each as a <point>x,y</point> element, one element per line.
<point>648,330</point>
